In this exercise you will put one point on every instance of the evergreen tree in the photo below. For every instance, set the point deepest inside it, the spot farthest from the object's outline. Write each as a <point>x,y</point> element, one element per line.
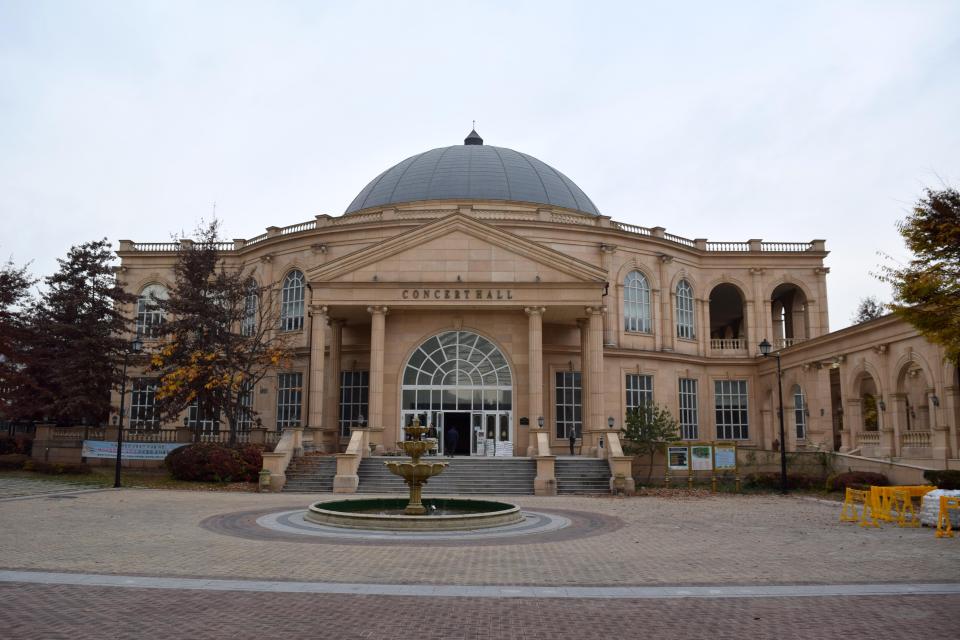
<point>14,295</point>
<point>220,338</point>
<point>870,308</point>
<point>79,339</point>
<point>927,290</point>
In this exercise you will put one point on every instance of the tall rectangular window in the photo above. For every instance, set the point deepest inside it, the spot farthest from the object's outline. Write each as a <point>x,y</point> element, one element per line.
<point>569,404</point>
<point>730,402</point>
<point>639,391</point>
<point>289,399</point>
<point>143,407</point>
<point>354,396</point>
<point>800,412</point>
<point>209,420</point>
<point>245,419</point>
<point>689,416</point>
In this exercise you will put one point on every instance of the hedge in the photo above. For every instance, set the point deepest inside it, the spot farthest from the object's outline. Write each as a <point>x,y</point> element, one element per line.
<point>215,462</point>
<point>19,443</point>
<point>856,480</point>
<point>772,481</point>
<point>944,479</point>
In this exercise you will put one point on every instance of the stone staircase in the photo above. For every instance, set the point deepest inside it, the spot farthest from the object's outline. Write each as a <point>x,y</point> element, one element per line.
<point>463,476</point>
<point>582,475</point>
<point>311,474</point>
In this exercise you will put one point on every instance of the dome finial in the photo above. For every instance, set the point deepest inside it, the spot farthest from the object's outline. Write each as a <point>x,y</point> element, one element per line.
<point>474,137</point>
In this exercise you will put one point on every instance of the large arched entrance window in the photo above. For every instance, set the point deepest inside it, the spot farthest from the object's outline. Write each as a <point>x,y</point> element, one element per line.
<point>461,383</point>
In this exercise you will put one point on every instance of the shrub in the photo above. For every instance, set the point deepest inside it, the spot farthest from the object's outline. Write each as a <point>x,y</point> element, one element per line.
<point>944,479</point>
<point>215,462</point>
<point>57,468</point>
<point>772,481</point>
<point>19,443</point>
<point>13,460</point>
<point>856,480</point>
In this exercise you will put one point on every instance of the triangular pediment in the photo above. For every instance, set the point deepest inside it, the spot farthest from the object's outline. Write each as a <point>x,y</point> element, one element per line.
<point>457,245</point>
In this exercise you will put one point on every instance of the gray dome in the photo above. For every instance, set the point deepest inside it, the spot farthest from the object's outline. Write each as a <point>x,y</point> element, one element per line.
<point>473,171</point>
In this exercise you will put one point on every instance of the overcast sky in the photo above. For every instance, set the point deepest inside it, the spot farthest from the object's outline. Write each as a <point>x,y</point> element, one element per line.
<point>784,121</point>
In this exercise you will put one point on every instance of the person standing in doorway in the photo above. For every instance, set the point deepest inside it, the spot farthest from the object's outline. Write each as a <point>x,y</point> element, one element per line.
<point>452,438</point>
<point>573,440</point>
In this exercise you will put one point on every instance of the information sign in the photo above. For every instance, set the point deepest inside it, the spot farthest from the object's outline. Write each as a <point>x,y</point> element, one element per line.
<point>131,450</point>
<point>678,458</point>
<point>725,456</point>
<point>701,458</point>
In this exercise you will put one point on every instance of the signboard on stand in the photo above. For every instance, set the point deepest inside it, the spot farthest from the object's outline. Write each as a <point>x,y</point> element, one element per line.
<point>701,458</point>
<point>678,458</point>
<point>725,457</point>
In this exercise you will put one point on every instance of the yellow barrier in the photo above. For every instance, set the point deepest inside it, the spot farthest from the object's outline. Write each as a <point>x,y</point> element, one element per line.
<point>883,498</point>
<point>903,505</point>
<point>848,513</point>
<point>944,527</point>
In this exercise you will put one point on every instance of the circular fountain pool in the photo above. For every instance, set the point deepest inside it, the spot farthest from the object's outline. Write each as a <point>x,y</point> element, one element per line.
<point>443,514</point>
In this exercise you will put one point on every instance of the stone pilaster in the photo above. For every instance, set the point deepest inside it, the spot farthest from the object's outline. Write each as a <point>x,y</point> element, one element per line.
<point>596,422</point>
<point>609,320</point>
<point>534,373</point>
<point>318,338</point>
<point>331,409</point>
<point>378,325</point>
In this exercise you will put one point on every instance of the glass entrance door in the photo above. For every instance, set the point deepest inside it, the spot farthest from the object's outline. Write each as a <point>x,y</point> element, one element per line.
<point>479,433</point>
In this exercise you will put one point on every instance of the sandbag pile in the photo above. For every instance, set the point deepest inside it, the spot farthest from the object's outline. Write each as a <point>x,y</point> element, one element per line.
<point>930,508</point>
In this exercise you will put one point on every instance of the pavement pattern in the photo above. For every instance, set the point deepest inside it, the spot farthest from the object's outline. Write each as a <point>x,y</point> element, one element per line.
<point>17,487</point>
<point>727,542</point>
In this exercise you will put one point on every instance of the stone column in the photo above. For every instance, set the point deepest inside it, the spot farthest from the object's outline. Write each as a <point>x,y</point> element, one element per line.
<point>584,325</point>
<point>534,373</point>
<point>667,306</point>
<point>656,317</point>
<point>318,339</point>
<point>609,320</point>
<point>852,424</point>
<point>951,412</point>
<point>703,325</point>
<point>893,422</point>
<point>331,410</point>
<point>378,324</point>
<point>596,422</point>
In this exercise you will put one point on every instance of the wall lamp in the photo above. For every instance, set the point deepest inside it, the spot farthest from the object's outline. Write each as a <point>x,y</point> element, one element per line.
<point>935,400</point>
<point>882,405</point>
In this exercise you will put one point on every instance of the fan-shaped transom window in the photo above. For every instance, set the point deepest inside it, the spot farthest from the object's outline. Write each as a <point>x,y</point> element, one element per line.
<point>636,303</point>
<point>457,370</point>
<point>149,314</point>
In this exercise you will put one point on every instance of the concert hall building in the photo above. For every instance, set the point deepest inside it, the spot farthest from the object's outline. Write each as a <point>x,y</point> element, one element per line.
<point>483,291</point>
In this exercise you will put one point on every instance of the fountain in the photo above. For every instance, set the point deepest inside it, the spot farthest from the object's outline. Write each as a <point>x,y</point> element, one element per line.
<point>415,473</point>
<point>440,514</point>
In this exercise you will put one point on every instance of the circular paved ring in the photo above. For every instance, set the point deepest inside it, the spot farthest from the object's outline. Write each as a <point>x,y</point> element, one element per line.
<point>289,525</point>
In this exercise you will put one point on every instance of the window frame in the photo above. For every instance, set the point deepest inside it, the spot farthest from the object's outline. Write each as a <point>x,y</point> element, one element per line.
<point>688,404</point>
<point>736,391</point>
<point>289,399</point>
<point>799,412</point>
<point>292,301</point>
<point>354,398</point>
<point>572,382</point>
<point>686,325</point>
<point>149,316</point>
<point>143,404</point>
<point>637,307</point>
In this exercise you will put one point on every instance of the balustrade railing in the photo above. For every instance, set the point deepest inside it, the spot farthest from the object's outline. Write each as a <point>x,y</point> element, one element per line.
<point>728,246</point>
<point>728,344</point>
<point>631,228</point>
<point>869,438</point>
<point>786,247</point>
<point>783,343</point>
<point>915,439</point>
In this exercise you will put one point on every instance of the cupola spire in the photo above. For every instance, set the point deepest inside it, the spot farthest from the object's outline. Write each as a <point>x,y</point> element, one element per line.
<point>474,137</point>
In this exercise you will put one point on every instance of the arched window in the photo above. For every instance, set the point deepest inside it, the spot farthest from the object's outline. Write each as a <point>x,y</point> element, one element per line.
<point>636,303</point>
<point>685,310</point>
<point>291,302</point>
<point>800,411</point>
<point>248,325</point>
<point>149,314</point>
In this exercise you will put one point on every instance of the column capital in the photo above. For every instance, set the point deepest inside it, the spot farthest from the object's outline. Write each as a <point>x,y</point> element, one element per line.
<point>608,248</point>
<point>535,311</point>
<point>319,309</point>
<point>377,310</point>
<point>337,322</point>
<point>596,311</point>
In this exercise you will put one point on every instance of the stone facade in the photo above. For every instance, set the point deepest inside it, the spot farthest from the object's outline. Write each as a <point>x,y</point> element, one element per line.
<point>548,288</point>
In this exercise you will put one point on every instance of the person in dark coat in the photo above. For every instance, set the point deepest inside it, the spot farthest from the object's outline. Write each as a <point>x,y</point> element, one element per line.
<point>451,441</point>
<point>573,440</point>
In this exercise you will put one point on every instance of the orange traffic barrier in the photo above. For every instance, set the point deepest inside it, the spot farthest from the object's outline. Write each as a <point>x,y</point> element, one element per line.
<point>903,505</point>
<point>848,513</point>
<point>944,527</point>
<point>883,498</point>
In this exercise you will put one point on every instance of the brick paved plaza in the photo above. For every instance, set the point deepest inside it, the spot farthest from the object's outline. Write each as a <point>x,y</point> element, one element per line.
<point>722,541</point>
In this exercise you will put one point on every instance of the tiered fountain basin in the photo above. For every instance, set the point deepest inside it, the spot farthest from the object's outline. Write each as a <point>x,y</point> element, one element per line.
<point>387,514</point>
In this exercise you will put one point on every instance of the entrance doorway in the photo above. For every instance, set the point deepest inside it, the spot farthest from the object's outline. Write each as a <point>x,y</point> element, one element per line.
<point>460,424</point>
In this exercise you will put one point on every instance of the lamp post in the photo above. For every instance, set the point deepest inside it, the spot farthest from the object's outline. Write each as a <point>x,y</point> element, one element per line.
<point>133,347</point>
<point>765,351</point>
